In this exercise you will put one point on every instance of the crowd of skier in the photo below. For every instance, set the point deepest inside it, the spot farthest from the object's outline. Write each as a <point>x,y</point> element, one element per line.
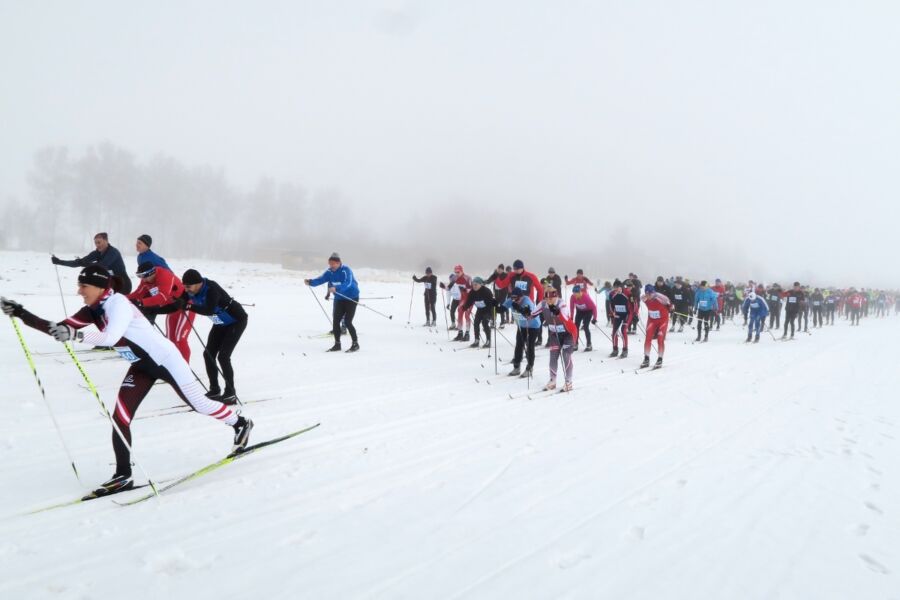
<point>560,310</point>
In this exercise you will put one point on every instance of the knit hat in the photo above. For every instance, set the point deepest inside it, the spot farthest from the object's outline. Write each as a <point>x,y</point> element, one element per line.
<point>146,239</point>
<point>428,270</point>
<point>580,272</point>
<point>96,276</point>
<point>191,277</point>
<point>478,280</point>
<point>551,270</point>
<point>649,289</point>
<point>518,264</point>
<point>517,292</point>
<point>334,257</point>
<point>617,283</point>
<point>576,289</point>
<point>145,268</point>
<point>458,268</point>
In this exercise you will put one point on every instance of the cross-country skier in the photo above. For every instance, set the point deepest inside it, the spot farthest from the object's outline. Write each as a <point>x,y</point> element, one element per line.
<point>634,287</point>
<point>755,310</point>
<point>706,303</point>
<point>160,288</point>
<point>151,355</point>
<point>773,299</point>
<point>106,256</point>
<point>683,305</point>
<point>342,284</point>
<point>855,306</point>
<point>563,336</point>
<point>622,312</point>
<point>658,307</point>
<point>831,302</point>
<point>528,328</point>
<point>430,283</point>
<point>454,299</point>
<point>482,299</point>
<point>719,289</point>
<point>581,280</point>
<point>525,281</point>
<point>461,285</point>
<point>818,304</point>
<point>553,280</point>
<point>793,298</point>
<point>585,311</point>
<point>229,320</point>
<point>145,254</point>
<point>500,293</point>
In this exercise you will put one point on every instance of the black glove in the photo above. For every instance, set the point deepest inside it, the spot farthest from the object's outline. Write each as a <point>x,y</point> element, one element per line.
<point>553,309</point>
<point>443,287</point>
<point>11,308</point>
<point>137,302</point>
<point>62,332</point>
<point>55,260</point>
<point>593,321</point>
<point>523,310</point>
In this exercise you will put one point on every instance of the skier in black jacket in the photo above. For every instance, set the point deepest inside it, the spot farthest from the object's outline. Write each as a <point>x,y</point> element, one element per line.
<point>500,293</point>
<point>793,300</point>
<point>684,302</point>
<point>483,300</point>
<point>430,281</point>
<point>107,257</point>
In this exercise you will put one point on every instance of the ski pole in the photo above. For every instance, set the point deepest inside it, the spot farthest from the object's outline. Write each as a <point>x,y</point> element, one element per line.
<point>358,303</point>
<point>496,331</point>
<point>206,352</point>
<point>319,302</point>
<point>44,396</point>
<point>600,329</point>
<point>59,285</point>
<point>252,305</point>
<point>444,306</point>
<point>105,410</point>
<point>194,373</point>
<point>377,298</point>
<point>412,295</point>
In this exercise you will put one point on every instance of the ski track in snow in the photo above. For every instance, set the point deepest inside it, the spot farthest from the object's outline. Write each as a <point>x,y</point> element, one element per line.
<point>737,471</point>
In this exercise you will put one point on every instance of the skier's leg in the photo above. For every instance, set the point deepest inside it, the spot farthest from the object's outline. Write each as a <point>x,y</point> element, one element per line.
<point>213,347</point>
<point>568,366</point>
<point>232,336</point>
<point>132,392</point>
<point>336,315</point>
<point>661,331</point>
<point>176,373</point>
<point>554,361</point>
<point>520,346</point>
<point>349,313</point>
<point>532,340</point>
<point>177,326</point>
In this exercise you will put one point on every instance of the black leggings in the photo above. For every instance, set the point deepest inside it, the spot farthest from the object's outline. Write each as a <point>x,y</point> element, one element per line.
<point>789,318</point>
<point>430,302</point>
<point>817,316</point>
<point>483,319</point>
<point>704,319</point>
<point>525,340</point>
<point>583,321</point>
<point>775,316</point>
<point>343,309</point>
<point>453,306</point>
<point>219,345</point>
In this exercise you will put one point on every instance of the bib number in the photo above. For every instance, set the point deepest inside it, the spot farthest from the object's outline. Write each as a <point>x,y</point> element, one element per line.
<point>479,304</point>
<point>427,286</point>
<point>621,309</point>
<point>522,285</point>
<point>216,320</point>
<point>792,300</point>
<point>654,314</point>
<point>127,353</point>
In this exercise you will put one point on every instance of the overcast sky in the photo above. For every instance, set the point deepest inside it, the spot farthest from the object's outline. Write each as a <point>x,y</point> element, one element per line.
<point>766,127</point>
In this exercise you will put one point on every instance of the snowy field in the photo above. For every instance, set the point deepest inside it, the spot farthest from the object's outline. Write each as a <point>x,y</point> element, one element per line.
<point>763,471</point>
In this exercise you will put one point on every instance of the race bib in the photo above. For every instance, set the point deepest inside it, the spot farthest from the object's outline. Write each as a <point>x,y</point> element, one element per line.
<point>216,320</point>
<point>703,304</point>
<point>522,285</point>
<point>427,286</point>
<point>557,328</point>
<point>126,353</point>
<point>678,296</point>
<point>816,303</point>
<point>479,304</point>
<point>654,314</point>
<point>154,291</point>
<point>773,298</point>
<point>621,308</point>
<point>792,299</point>
<point>581,307</point>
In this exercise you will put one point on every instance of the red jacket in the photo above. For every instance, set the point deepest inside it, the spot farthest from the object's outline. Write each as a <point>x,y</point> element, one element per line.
<point>720,290</point>
<point>510,280</point>
<point>161,292</point>
<point>658,307</point>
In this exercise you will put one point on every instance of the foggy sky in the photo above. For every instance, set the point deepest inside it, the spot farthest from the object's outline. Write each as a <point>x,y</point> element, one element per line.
<point>703,133</point>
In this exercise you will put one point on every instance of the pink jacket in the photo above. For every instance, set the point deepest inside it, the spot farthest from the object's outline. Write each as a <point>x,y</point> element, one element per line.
<point>583,303</point>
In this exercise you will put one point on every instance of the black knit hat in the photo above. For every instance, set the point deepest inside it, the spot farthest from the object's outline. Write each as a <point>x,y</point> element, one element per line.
<point>96,276</point>
<point>518,264</point>
<point>334,256</point>
<point>146,239</point>
<point>191,277</point>
<point>145,268</point>
<point>428,270</point>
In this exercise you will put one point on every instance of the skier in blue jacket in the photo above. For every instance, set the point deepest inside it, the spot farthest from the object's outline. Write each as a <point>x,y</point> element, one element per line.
<point>529,327</point>
<point>145,254</point>
<point>342,284</point>
<point>758,310</point>
<point>706,303</point>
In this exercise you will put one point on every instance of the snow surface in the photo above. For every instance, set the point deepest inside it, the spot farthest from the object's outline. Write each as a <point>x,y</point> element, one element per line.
<point>762,471</point>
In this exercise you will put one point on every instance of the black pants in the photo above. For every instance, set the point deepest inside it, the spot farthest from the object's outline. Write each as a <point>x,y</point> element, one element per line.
<point>583,321</point>
<point>829,314</point>
<point>680,316</point>
<point>789,318</point>
<point>483,319</point>
<point>803,318</point>
<point>775,316</point>
<point>525,341</point>
<point>343,309</point>
<point>219,346</point>
<point>430,302</point>
<point>704,320</point>
<point>854,316</point>
<point>817,316</point>
<point>453,306</point>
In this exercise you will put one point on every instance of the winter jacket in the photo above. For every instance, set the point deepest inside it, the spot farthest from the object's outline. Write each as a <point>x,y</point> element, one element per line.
<point>342,280</point>
<point>706,300</point>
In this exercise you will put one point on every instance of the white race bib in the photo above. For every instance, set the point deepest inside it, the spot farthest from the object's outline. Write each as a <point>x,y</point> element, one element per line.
<point>703,304</point>
<point>678,296</point>
<point>127,353</point>
<point>792,299</point>
<point>816,303</point>
<point>557,328</point>
<point>654,314</point>
<point>522,285</point>
<point>620,308</point>
<point>479,304</point>
<point>154,291</point>
<point>427,285</point>
<point>216,320</point>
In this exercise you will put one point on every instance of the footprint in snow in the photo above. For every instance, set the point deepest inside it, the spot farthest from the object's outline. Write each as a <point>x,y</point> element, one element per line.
<point>874,565</point>
<point>861,530</point>
<point>681,483</point>
<point>636,533</point>
<point>873,507</point>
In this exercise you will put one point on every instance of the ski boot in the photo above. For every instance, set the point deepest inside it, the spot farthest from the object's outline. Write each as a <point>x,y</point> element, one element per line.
<point>624,353</point>
<point>459,336</point>
<point>465,337</point>
<point>116,483</point>
<point>229,397</point>
<point>551,385</point>
<point>526,373</point>
<point>241,434</point>
<point>214,393</point>
<point>658,362</point>
<point>680,328</point>
<point>588,348</point>
<point>475,344</point>
<point>706,337</point>
<point>515,372</point>
<point>645,363</point>
<point>354,347</point>
<point>756,339</point>
<point>569,387</point>
<point>487,344</point>
<point>614,353</point>
<point>335,348</point>
<point>747,341</point>
<point>452,327</point>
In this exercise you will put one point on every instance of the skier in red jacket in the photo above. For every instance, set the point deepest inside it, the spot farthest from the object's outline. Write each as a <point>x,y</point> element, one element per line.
<point>658,307</point>
<point>160,287</point>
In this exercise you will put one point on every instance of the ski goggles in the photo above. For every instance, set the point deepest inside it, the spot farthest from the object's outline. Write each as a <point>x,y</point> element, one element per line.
<point>147,273</point>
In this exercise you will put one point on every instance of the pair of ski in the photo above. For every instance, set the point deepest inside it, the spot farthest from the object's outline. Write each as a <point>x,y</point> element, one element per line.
<point>535,394</point>
<point>233,456</point>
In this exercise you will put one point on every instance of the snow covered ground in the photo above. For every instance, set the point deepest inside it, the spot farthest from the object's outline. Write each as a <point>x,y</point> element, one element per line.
<point>762,471</point>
